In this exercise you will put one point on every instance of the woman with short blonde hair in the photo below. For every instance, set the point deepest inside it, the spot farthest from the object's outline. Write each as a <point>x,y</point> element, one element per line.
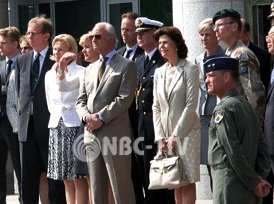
<point>64,122</point>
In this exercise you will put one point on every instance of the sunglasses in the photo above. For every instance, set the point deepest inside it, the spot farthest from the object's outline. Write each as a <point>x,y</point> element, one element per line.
<point>97,37</point>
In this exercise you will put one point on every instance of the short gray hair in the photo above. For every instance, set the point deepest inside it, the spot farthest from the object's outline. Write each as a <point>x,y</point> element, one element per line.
<point>110,32</point>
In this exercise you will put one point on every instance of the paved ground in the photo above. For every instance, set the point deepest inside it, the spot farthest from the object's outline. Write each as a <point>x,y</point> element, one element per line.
<point>13,199</point>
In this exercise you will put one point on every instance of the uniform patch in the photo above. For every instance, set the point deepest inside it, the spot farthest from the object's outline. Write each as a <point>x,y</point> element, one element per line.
<point>243,66</point>
<point>218,116</point>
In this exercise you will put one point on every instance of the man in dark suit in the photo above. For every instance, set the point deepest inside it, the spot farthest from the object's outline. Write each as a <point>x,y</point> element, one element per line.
<point>146,65</point>
<point>30,70</point>
<point>269,111</point>
<point>262,54</point>
<point>265,71</point>
<point>9,48</point>
<point>132,51</point>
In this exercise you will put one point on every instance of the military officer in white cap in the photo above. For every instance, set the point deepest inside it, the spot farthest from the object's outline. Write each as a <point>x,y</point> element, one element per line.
<point>146,65</point>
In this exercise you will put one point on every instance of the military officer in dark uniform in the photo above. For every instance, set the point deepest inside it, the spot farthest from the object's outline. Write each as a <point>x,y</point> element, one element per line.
<point>146,65</point>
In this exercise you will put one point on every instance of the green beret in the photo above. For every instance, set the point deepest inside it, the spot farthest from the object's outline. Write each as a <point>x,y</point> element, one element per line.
<point>226,13</point>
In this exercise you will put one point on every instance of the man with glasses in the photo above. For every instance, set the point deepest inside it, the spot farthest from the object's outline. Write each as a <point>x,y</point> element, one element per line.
<point>106,92</point>
<point>33,132</point>
<point>9,48</point>
<point>228,27</point>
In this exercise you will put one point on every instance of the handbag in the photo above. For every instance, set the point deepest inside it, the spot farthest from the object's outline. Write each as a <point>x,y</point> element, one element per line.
<point>166,172</point>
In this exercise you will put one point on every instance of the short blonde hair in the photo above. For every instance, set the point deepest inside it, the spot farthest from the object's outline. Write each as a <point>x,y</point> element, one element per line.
<point>24,38</point>
<point>205,25</point>
<point>84,37</point>
<point>69,40</point>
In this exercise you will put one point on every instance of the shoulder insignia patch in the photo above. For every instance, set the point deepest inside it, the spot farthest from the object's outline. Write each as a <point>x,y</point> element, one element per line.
<point>218,116</point>
<point>243,68</point>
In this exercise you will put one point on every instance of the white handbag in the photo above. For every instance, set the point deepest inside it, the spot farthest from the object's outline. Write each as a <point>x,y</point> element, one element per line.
<point>166,172</point>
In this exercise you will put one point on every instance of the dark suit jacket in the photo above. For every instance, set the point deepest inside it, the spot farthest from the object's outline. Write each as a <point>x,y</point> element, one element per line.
<point>264,59</point>
<point>269,120</point>
<point>144,94</point>
<point>3,98</point>
<point>38,96</point>
<point>3,83</point>
<point>132,110</point>
<point>139,51</point>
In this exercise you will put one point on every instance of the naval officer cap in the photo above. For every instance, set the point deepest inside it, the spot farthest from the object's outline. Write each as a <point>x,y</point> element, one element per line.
<point>144,24</point>
<point>220,62</point>
<point>272,12</point>
<point>226,13</point>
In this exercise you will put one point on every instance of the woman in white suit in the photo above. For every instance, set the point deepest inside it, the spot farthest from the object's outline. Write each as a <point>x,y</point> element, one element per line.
<point>64,121</point>
<point>176,123</point>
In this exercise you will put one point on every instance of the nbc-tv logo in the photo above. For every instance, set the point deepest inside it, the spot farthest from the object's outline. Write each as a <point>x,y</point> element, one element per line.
<point>123,146</point>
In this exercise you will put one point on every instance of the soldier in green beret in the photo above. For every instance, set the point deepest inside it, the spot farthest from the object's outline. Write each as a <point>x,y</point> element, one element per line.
<point>237,151</point>
<point>228,28</point>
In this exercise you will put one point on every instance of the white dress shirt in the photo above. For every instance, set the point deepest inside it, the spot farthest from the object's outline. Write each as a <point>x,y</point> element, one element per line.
<point>62,103</point>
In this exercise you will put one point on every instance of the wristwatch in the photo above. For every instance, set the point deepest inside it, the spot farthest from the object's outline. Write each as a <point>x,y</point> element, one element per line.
<point>59,72</point>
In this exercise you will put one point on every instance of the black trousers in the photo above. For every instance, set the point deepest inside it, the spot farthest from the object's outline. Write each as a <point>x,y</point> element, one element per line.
<point>8,143</point>
<point>269,198</point>
<point>34,158</point>
<point>163,196</point>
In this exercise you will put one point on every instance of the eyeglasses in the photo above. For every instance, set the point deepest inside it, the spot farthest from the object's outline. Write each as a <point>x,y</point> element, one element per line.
<point>33,34</point>
<point>97,37</point>
<point>269,36</point>
<point>221,24</point>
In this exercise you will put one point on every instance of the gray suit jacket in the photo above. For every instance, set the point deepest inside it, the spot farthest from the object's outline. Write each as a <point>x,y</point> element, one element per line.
<point>23,87</point>
<point>112,98</point>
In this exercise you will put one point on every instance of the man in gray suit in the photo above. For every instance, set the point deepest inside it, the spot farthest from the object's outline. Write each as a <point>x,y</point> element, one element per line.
<point>33,133</point>
<point>9,48</point>
<point>106,92</point>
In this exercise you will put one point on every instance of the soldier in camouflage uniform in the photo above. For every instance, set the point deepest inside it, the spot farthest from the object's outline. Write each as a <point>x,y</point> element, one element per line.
<point>228,27</point>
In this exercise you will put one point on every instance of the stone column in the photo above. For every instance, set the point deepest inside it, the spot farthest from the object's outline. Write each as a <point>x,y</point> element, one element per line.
<point>4,20</point>
<point>187,14</point>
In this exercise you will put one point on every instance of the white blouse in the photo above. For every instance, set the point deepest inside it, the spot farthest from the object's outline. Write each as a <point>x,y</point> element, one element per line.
<point>62,103</point>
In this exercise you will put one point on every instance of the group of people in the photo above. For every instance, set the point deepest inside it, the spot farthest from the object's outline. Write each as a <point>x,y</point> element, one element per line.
<point>147,91</point>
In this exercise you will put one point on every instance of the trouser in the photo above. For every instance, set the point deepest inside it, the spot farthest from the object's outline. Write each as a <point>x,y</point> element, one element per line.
<point>8,143</point>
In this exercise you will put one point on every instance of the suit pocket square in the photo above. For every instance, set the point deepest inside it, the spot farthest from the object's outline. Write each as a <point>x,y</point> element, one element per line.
<point>114,73</point>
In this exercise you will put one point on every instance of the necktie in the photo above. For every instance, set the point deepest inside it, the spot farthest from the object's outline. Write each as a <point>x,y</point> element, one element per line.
<point>8,68</point>
<point>128,53</point>
<point>102,68</point>
<point>146,61</point>
<point>35,71</point>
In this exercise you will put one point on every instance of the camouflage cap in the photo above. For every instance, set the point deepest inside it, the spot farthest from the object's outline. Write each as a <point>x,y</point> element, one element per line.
<point>226,13</point>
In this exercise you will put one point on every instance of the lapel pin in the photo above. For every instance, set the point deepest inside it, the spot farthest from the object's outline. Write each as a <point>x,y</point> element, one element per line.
<point>153,61</point>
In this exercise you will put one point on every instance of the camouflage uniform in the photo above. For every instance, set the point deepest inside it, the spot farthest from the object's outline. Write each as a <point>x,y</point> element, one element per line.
<point>250,84</point>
